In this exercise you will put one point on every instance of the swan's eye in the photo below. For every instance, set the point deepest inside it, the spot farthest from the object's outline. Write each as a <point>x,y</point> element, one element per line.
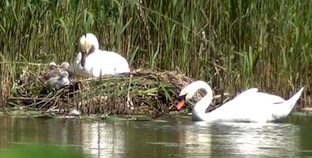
<point>182,97</point>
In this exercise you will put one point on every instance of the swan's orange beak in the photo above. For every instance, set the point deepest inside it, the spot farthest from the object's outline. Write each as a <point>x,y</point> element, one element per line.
<point>180,104</point>
<point>181,101</point>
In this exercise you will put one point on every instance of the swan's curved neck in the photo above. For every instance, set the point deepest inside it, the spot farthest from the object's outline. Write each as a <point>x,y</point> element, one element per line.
<point>93,49</point>
<point>195,86</point>
<point>199,111</point>
<point>86,53</point>
<point>95,46</point>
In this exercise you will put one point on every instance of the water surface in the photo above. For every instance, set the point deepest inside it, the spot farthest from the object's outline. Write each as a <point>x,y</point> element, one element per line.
<point>168,137</point>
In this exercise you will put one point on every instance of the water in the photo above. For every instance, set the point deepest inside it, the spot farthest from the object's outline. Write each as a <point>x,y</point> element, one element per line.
<point>174,137</point>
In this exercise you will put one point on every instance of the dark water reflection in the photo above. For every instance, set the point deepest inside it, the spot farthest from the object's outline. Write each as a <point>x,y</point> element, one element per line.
<point>175,137</point>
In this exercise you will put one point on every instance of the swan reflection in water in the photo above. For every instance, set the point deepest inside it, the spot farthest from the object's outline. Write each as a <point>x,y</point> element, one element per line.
<point>240,139</point>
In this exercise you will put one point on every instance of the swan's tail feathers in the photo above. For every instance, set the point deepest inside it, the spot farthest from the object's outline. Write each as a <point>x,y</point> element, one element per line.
<point>293,100</point>
<point>288,105</point>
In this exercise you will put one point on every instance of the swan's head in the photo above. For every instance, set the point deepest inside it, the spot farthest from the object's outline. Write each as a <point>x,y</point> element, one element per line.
<point>65,65</point>
<point>52,65</point>
<point>188,92</point>
<point>183,97</point>
<point>88,41</point>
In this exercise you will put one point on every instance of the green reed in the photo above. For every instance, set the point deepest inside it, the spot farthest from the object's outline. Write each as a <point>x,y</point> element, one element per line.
<point>232,44</point>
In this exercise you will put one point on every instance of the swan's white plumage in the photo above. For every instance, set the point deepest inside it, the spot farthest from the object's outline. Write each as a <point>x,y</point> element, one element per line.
<point>249,106</point>
<point>98,62</point>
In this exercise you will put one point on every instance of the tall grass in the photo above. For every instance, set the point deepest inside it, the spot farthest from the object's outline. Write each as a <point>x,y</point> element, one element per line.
<point>232,44</point>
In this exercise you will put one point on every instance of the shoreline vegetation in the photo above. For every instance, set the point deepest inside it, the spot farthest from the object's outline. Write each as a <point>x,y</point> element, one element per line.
<point>233,45</point>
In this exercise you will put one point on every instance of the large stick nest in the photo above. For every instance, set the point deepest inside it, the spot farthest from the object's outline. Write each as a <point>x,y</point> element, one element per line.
<point>131,93</point>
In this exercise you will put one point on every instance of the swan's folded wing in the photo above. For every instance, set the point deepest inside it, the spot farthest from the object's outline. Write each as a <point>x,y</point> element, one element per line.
<point>235,108</point>
<point>245,96</point>
<point>252,97</point>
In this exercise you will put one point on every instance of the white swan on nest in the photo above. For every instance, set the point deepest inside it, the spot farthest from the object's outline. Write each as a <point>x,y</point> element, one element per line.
<point>95,62</point>
<point>249,106</point>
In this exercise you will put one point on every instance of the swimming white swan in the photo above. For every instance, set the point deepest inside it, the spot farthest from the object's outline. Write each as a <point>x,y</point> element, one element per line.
<point>98,62</point>
<point>249,106</point>
<point>59,82</point>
